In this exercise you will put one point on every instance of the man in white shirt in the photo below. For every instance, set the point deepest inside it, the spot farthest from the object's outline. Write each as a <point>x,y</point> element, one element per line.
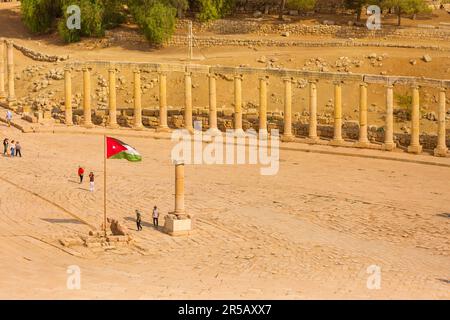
<point>155,216</point>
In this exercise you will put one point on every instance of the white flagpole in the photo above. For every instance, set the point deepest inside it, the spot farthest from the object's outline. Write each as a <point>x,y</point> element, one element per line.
<point>104,183</point>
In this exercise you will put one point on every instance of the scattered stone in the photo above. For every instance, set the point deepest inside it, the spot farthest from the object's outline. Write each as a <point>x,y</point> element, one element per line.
<point>427,58</point>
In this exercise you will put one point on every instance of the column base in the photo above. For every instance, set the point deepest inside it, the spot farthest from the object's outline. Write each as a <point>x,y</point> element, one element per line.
<point>263,134</point>
<point>388,146</point>
<point>88,125</point>
<point>415,149</point>
<point>312,140</point>
<point>337,142</point>
<point>239,132</point>
<point>190,130</point>
<point>69,124</point>
<point>362,144</point>
<point>214,132</point>
<point>287,138</point>
<point>440,151</point>
<point>113,126</point>
<point>177,224</point>
<point>163,129</point>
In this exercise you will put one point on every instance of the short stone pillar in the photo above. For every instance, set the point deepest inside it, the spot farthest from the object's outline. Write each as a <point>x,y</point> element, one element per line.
<point>11,88</point>
<point>238,105</point>
<point>389,143</point>
<point>162,126</point>
<point>287,134</point>
<point>312,135</point>
<point>178,222</point>
<point>337,139</point>
<point>87,98</point>
<point>2,69</point>
<point>263,107</point>
<point>68,96</point>
<point>213,106</point>
<point>188,102</point>
<point>415,146</point>
<point>112,99</point>
<point>137,125</point>
<point>441,148</point>
<point>363,141</point>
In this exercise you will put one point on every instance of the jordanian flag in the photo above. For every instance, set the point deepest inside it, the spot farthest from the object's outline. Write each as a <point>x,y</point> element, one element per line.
<point>116,149</point>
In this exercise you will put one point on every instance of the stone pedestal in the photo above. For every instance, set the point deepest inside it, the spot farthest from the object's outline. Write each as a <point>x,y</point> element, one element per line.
<point>176,225</point>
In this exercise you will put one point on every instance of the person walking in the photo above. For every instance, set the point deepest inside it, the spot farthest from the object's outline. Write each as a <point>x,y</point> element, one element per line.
<point>18,149</point>
<point>155,216</point>
<point>5,146</point>
<point>12,148</point>
<point>8,117</point>
<point>138,220</point>
<point>91,182</point>
<point>80,173</point>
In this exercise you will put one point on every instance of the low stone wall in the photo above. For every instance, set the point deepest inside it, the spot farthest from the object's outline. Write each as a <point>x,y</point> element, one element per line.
<point>38,56</point>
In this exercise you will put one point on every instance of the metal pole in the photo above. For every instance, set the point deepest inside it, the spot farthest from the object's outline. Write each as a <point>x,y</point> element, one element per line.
<point>190,40</point>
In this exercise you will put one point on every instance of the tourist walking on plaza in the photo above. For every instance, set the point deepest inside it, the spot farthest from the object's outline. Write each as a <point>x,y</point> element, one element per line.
<point>12,147</point>
<point>138,220</point>
<point>8,117</point>
<point>155,216</point>
<point>91,182</point>
<point>18,149</point>
<point>5,146</point>
<point>80,173</point>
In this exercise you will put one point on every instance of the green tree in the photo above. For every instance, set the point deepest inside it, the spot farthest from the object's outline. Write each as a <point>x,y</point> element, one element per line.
<point>357,6</point>
<point>403,7</point>
<point>301,5</point>
<point>39,16</point>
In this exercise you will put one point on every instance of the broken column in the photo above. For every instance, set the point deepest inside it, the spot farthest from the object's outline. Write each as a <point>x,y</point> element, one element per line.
<point>178,222</point>
<point>162,126</point>
<point>213,105</point>
<point>87,98</point>
<point>312,135</point>
<point>137,125</point>
<point>287,134</point>
<point>415,146</point>
<point>188,102</point>
<point>11,89</point>
<point>263,107</point>
<point>2,69</point>
<point>389,143</point>
<point>68,96</point>
<point>112,99</point>
<point>363,141</point>
<point>441,148</point>
<point>238,105</point>
<point>337,139</point>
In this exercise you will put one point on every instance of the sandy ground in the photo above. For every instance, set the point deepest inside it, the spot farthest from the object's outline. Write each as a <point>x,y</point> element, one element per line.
<point>311,231</point>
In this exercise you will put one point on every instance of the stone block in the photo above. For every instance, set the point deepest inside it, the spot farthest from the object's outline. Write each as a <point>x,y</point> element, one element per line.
<point>177,225</point>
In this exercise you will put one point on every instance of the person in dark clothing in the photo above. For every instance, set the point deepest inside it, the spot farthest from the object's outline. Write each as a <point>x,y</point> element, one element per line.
<point>5,146</point>
<point>18,149</point>
<point>138,220</point>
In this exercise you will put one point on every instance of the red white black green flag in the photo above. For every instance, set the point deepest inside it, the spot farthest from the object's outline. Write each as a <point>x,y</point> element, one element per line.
<point>116,149</point>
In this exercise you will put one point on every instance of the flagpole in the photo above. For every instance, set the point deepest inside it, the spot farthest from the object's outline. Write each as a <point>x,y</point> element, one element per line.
<point>104,182</point>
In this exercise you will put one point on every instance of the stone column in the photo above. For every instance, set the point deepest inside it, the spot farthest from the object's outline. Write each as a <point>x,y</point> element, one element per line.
<point>10,56</point>
<point>112,99</point>
<point>137,125</point>
<point>188,102</point>
<point>68,96</point>
<point>179,188</point>
<point>312,136</point>
<point>212,105</point>
<point>363,142</point>
<point>441,148</point>
<point>163,127</point>
<point>415,146</point>
<point>389,143</point>
<point>87,98</point>
<point>337,140</point>
<point>263,107</point>
<point>238,105</point>
<point>287,135</point>
<point>2,69</point>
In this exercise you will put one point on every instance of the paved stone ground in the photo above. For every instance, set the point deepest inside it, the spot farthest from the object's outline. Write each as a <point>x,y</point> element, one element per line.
<point>309,232</point>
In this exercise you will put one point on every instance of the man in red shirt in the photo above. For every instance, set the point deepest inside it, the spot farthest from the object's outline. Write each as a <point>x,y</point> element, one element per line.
<point>80,173</point>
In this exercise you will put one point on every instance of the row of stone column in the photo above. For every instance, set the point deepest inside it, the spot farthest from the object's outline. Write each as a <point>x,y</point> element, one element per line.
<point>9,73</point>
<point>313,137</point>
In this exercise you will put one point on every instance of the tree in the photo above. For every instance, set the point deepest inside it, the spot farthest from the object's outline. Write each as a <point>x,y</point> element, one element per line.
<point>300,5</point>
<point>357,6</point>
<point>406,7</point>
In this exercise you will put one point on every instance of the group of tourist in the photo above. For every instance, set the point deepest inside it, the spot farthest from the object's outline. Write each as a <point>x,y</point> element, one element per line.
<point>91,178</point>
<point>155,216</point>
<point>12,148</point>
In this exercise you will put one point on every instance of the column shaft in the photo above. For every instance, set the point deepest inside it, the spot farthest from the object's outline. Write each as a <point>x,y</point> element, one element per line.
<point>112,122</point>
<point>415,146</point>
<point>137,101</point>
<point>68,96</point>
<point>87,98</point>
<point>313,112</point>
<point>389,143</point>
<point>2,69</point>
<point>363,141</point>
<point>179,188</point>
<point>441,148</point>
<point>212,105</point>
<point>10,56</point>
<point>238,105</point>
<point>188,102</point>
<point>263,106</point>
<point>337,140</point>
<point>287,134</point>
<point>163,102</point>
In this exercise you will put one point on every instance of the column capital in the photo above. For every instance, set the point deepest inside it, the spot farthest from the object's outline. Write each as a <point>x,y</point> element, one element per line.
<point>364,84</point>
<point>338,82</point>
<point>264,78</point>
<point>9,43</point>
<point>136,70</point>
<point>313,81</point>
<point>86,69</point>
<point>389,85</point>
<point>415,86</point>
<point>68,69</point>
<point>287,79</point>
<point>112,69</point>
<point>162,73</point>
<point>238,76</point>
<point>212,75</point>
<point>442,89</point>
<point>187,73</point>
